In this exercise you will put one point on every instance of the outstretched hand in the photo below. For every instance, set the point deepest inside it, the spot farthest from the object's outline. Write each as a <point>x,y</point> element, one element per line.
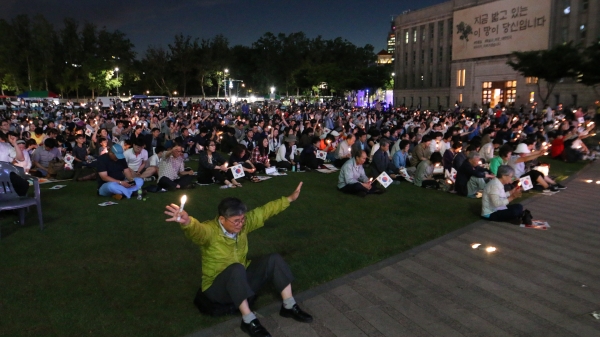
<point>173,212</point>
<point>294,196</point>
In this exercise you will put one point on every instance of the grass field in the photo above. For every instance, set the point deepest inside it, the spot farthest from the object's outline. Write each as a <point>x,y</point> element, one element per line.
<point>123,271</point>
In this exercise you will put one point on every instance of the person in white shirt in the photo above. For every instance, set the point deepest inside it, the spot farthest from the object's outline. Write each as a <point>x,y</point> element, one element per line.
<point>487,151</point>
<point>136,158</point>
<point>495,201</point>
<point>26,163</point>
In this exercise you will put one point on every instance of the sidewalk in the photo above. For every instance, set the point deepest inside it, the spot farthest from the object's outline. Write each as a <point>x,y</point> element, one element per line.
<point>538,283</point>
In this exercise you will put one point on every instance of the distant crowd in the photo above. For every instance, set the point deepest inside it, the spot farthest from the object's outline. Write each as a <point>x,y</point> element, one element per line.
<point>470,152</point>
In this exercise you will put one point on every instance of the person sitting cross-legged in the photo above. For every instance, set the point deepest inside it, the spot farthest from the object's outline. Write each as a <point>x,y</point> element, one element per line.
<point>495,201</point>
<point>470,177</point>
<point>171,173</point>
<point>114,177</point>
<point>227,275</point>
<point>352,179</point>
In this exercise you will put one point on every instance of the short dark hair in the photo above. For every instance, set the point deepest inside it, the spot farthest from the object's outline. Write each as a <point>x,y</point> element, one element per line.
<point>50,142</point>
<point>425,139</point>
<point>230,206</point>
<point>436,157</point>
<point>139,142</point>
<point>403,143</point>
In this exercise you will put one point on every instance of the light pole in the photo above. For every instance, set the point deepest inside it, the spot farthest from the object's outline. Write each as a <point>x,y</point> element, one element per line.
<point>117,70</point>
<point>225,72</point>
<point>367,98</point>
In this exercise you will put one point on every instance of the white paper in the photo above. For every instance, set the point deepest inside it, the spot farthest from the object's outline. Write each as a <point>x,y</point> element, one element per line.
<point>238,171</point>
<point>384,179</point>
<point>57,187</point>
<point>331,167</point>
<point>526,183</point>
<point>581,120</point>
<point>271,170</point>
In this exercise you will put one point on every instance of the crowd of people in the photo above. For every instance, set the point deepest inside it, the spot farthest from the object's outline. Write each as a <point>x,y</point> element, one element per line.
<point>124,146</point>
<point>469,152</point>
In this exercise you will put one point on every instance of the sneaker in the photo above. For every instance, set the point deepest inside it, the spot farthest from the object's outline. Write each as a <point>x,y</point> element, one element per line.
<point>560,187</point>
<point>117,196</point>
<point>554,189</point>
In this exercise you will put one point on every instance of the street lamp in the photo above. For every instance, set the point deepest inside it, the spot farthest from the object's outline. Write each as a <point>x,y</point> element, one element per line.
<point>117,70</point>
<point>272,90</point>
<point>174,93</point>
<point>367,98</point>
<point>225,72</point>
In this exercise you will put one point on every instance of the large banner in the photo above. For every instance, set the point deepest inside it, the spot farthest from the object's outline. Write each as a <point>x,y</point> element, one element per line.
<point>501,27</point>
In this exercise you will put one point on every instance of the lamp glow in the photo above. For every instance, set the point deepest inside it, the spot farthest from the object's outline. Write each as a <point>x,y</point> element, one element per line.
<point>490,249</point>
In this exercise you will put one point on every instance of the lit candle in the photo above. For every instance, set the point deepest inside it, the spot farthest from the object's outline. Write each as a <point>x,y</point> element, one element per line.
<point>183,200</point>
<point>589,181</point>
<point>490,249</point>
<point>475,245</point>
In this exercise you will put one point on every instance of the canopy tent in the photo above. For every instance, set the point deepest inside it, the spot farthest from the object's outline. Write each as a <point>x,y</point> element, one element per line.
<point>139,96</point>
<point>40,94</point>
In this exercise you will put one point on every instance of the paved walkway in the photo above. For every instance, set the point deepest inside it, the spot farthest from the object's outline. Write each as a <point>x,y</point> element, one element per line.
<point>538,283</point>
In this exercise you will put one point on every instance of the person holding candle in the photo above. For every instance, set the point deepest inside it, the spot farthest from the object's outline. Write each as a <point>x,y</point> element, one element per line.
<point>352,178</point>
<point>171,172</point>
<point>227,275</point>
<point>495,201</point>
<point>214,168</point>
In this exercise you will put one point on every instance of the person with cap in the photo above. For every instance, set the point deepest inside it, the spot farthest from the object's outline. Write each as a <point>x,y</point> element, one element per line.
<point>115,178</point>
<point>286,153</point>
<point>26,162</point>
<point>523,154</point>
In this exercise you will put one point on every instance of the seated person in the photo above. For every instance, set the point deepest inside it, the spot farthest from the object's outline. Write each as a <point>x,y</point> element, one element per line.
<point>344,151</point>
<point>227,276</point>
<point>137,157</point>
<point>286,153</point>
<point>114,177</point>
<point>260,155</point>
<point>26,163</point>
<point>171,172</point>
<point>424,173</point>
<point>400,159</point>
<point>470,176</point>
<point>421,151</point>
<point>450,154</point>
<point>239,156</point>
<point>43,155</point>
<point>213,168</point>
<point>524,154</point>
<point>495,201</point>
<point>353,180</point>
<point>11,152</point>
<point>487,151</point>
<point>382,162</point>
<point>154,160</point>
<point>308,157</point>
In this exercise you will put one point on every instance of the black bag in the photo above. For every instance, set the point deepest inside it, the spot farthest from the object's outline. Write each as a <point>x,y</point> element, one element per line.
<point>527,218</point>
<point>207,307</point>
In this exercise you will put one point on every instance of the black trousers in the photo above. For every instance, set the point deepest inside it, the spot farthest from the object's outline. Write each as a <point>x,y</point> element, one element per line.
<point>183,182</point>
<point>284,164</point>
<point>236,283</point>
<point>511,212</point>
<point>206,177</point>
<point>19,184</point>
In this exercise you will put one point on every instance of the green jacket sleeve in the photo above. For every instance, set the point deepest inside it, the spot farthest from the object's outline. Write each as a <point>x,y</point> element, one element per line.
<point>200,233</point>
<point>256,218</point>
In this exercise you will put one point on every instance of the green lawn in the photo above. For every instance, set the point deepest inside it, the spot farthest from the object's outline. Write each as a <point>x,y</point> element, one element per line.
<point>123,271</point>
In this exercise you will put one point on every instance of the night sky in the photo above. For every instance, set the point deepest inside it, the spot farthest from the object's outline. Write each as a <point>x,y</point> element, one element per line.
<point>155,22</point>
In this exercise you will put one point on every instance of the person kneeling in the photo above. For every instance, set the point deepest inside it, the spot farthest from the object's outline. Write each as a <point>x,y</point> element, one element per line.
<point>495,202</point>
<point>227,276</point>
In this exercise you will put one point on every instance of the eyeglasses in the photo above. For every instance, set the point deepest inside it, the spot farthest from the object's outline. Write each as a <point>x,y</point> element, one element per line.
<point>237,222</point>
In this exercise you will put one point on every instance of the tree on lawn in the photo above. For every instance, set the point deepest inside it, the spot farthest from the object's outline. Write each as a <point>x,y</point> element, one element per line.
<point>589,71</point>
<point>550,65</point>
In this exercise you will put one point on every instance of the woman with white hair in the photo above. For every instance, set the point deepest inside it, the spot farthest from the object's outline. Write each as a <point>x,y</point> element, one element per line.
<point>495,202</point>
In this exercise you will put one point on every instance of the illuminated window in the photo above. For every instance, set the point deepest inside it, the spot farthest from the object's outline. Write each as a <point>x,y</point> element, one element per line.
<point>486,96</point>
<point>511,84</point>
<point>532,97</point>
<point>423,33</point>
<point>414,35</point>
<point>459,98</point>
<point>567,7</point>
<point>582,31</point>
<point>511,94</point>
<point>406,36</point>
<point>487,85</point>
<point>531,80</point>
<point>461,77</point>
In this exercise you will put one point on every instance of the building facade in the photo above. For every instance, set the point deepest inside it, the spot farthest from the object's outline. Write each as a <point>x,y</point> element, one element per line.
<point>456,52</point>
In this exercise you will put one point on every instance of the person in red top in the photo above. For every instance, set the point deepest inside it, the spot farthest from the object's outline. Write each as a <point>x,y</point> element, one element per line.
<point>558,146</point>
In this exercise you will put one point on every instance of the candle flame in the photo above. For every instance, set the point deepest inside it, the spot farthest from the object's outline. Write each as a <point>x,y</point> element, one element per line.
<point>490,249</point>
<point>589,181</point>
<point>475,245</point>
<point>183,199</point>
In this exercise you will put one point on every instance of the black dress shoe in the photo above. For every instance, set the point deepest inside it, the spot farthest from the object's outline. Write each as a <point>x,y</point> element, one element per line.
<point>296,313</point>
<point>255,329</point>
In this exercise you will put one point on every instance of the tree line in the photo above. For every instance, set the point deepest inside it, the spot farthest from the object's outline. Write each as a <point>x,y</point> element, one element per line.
<point>81,59</point>
<point>563,61</point>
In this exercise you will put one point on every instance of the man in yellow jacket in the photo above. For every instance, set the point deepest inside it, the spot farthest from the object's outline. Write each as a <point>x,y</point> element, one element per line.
<point>227,276</point>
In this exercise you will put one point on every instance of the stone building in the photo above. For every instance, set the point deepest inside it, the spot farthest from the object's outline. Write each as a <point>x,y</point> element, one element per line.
<point>456,52</point>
